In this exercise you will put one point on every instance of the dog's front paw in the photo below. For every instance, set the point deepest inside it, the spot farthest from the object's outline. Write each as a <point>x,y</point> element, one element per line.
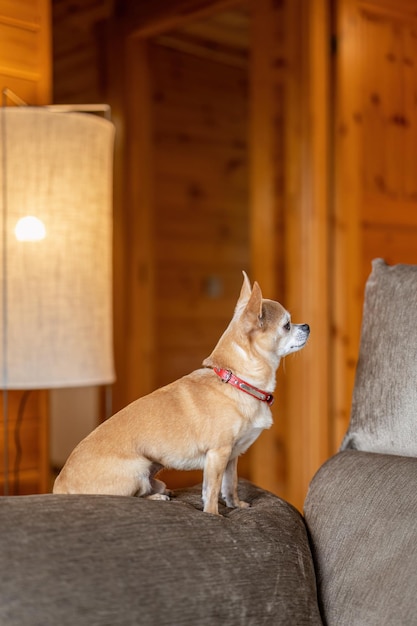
<point>241,504</point>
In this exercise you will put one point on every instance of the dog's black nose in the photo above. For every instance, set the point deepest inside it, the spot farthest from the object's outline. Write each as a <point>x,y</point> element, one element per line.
<point>305,328</point>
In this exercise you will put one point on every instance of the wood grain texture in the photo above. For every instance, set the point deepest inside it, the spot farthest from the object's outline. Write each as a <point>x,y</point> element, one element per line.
<point>267,212</point>
<point>200,230</point>
<point>28,443</point>
<point>306,258</point>
<point>25,49</point>
<point>26,69</point>
<point>375,184</point>
<point>323,174</point>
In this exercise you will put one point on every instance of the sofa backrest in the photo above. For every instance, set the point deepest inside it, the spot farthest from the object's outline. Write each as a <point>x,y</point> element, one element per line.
<point>384,407</point>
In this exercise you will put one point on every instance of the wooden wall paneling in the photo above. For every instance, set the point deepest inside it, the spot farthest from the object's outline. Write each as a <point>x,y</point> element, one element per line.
<point>25,49</point>
<point>382,96</point>
<point>116,90</point>
<point>267,223</point>
<point>389,215</point>
<point>407,119</point>
<point>375,149</point>
<point>187,158</point>
<point>131,96</point>
<point>45,55</point>
<point>346,249</point>
<point>201,234</point>
<point>302,235</point>
<point>139,214</point>
<point>201,200</point>
<point>79,46</point>
<point>25,69</point>
<point>306,253</point>
<point>28,443</point>
<point>43,465</point>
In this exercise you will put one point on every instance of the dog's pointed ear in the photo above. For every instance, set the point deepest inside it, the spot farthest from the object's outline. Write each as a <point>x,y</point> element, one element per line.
<point>245,293</point>
<point>253,309</point>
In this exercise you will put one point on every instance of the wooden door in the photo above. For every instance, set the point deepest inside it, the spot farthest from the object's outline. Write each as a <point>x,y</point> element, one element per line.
<point>375,208</point>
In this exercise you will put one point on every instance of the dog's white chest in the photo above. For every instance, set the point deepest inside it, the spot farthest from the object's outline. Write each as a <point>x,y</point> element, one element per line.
<point>245,441</point>
<point>263,419</point>
<point>246,438</point>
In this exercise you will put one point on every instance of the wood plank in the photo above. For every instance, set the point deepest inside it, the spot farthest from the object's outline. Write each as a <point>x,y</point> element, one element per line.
<point>346,261</point>
<point>267,80</point>
<point>379,209</point>
<point>393,244</point>
<point>199,49</point>
<point>27,432</point>
<point>397,9</point>
<point>44,92</point>
<point>25,68</point>
<point>306,259</point>
<point>19,50</point>
<point>389,61</point>
<point>193,283</point>
<point>140,355</point>
<point>24,11</point>
<point>376,198</point>
<point>228,28</point>
<point>410,88</point>
<point>26,88</point>
<point>115,61</point>
<point>200,168</point>
<point>149,19</point>
<point>221,37</point>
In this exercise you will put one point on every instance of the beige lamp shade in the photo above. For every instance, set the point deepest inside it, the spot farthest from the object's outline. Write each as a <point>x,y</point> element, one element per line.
<point>56,313</point>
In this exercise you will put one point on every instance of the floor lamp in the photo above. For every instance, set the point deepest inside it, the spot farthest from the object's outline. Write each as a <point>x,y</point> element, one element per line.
<point>56,251</point>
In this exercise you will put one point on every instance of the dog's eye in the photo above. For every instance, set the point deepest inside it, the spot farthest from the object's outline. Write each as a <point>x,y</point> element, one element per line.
<point>287,326</point>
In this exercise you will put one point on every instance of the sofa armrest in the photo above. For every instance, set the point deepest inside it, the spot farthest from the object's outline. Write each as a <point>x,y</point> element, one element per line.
<point>361,512</point>
<point>107,560</point>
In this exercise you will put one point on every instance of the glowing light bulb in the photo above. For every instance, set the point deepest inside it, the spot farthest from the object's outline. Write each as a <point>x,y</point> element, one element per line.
<point>30,228</point>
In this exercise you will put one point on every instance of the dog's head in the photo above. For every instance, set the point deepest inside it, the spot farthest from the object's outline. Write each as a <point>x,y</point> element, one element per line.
<point>267,323</point>
<point>260,333</point>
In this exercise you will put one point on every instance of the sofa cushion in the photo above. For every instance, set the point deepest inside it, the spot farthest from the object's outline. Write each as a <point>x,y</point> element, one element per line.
<point>361,512</point>
<point>107,560</point>
<point>384,413</point>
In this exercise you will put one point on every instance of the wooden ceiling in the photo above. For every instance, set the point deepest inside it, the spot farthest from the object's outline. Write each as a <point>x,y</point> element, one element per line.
<point>81,14</point>
<point>222,37</point>
<point>77,49</point>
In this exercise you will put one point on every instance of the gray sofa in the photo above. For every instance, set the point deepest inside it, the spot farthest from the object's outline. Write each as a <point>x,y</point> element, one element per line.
<point>361,509</point>
<point>351,560</point>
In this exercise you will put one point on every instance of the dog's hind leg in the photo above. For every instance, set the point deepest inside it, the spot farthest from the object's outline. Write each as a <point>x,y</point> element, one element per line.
<point>158,487</point>
<point>159,491</point>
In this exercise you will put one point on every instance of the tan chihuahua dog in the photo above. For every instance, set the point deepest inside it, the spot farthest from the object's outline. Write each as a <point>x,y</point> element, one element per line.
<point>204,420</point>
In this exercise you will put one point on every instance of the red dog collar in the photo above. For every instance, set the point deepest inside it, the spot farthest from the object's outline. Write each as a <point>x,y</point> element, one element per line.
<point>228,377</point>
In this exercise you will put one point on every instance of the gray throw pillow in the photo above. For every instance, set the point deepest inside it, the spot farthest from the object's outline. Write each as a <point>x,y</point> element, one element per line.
<point>361,511</point>
<point>384,407</point>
